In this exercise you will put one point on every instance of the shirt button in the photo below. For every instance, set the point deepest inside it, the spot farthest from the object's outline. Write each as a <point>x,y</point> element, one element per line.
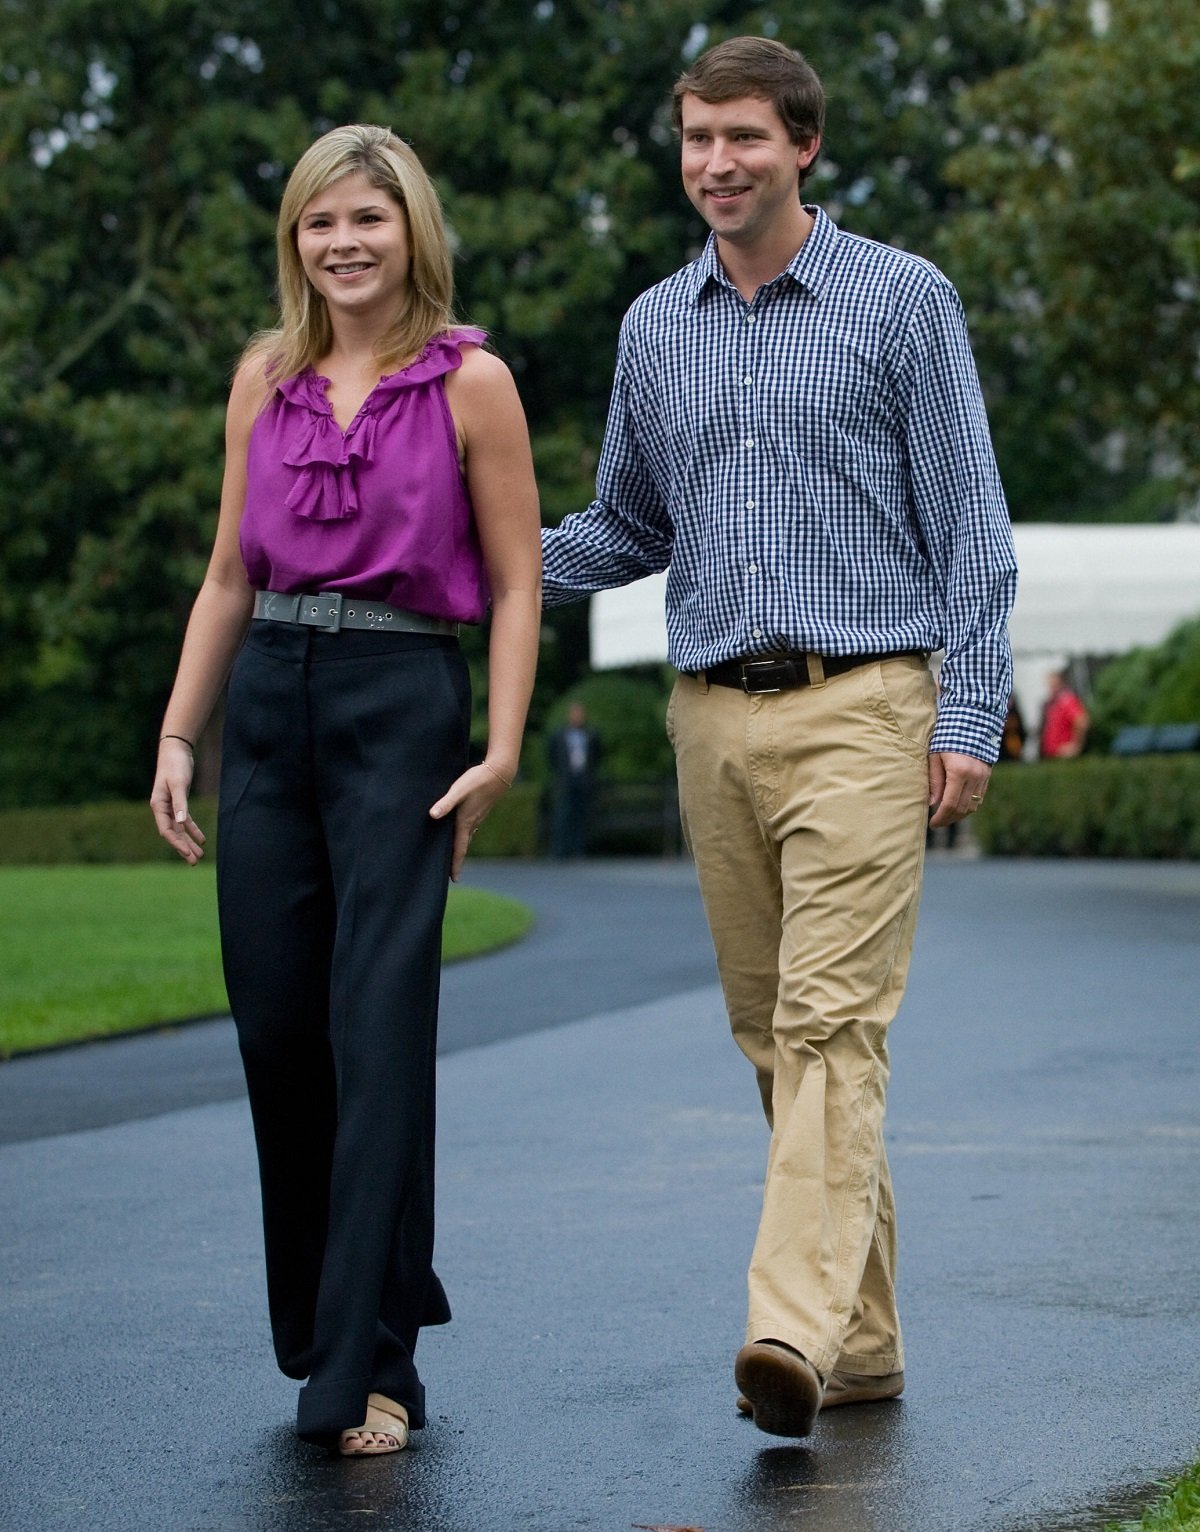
<point>750,504</point>
<point>749,441</point>
<point>753,568</point>
<point>757,633</point>
<point>747,380</point>
<point>750,318</point>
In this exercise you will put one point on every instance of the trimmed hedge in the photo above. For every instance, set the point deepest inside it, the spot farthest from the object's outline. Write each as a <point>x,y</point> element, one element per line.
<point>92,832</point>
<point>124,832</point>
<point>1146,806</point>
<point>511,829</point>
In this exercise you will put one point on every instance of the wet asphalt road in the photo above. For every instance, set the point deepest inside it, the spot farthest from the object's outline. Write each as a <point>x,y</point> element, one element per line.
<point>600,1163</point>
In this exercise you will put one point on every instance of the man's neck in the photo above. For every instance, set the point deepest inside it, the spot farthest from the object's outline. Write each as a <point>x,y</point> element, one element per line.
<point>750,267</point>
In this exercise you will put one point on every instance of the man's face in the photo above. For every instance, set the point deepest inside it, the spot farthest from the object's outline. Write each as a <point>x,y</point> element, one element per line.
<point>740,168</point>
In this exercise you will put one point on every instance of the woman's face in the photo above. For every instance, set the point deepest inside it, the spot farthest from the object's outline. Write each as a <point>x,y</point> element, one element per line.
<point>352,239</point>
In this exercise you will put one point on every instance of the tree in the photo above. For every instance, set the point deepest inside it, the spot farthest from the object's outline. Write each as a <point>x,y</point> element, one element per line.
<point>1081,258</point>
<point>1159,684</point>
<point>141,159</point>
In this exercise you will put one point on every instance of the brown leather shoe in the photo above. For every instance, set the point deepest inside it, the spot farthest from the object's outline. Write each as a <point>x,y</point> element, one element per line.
<point>850,1388</point>
<point>782,1388</point>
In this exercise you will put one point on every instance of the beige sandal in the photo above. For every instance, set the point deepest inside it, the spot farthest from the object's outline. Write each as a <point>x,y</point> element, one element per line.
<point>375,1437</point>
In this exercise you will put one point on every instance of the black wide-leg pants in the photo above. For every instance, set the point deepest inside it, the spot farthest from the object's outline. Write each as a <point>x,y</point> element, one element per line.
<point>332,885</point>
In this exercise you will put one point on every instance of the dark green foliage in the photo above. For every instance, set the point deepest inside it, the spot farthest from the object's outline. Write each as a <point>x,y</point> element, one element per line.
<point>137,227</point>
<point>1148,686</point>
<point>1146,806</point>
<point>125,832</point>
<point>628,712</point>
<point>511,829</point>
<point>1079,254</point>
<point>92,832</point>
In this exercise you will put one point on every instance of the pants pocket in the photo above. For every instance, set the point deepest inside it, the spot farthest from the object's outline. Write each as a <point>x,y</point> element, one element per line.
<point>904,701</point>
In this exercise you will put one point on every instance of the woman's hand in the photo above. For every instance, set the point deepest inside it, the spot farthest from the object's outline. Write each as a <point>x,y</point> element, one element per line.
<point>470,796</point>
<point>169,800</point>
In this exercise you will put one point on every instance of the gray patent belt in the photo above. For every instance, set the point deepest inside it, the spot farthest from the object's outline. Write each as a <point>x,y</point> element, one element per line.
<point>331,611</point>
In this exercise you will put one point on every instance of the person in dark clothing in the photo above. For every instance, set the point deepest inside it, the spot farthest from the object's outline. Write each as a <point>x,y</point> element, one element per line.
<point>1012,740</point>
<point>573,752</point>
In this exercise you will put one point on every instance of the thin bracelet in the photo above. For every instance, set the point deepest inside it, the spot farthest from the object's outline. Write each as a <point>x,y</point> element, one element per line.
<point>179,737</point>
<point>506,780</point>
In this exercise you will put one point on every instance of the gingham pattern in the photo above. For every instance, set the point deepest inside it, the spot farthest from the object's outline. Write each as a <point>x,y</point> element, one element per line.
<point>814,468</point>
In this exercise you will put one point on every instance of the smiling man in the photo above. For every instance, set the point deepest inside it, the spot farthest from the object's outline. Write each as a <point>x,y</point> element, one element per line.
<point>797,434</point>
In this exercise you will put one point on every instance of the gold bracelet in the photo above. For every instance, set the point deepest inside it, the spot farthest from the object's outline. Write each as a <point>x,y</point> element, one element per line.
<point>485,762</point>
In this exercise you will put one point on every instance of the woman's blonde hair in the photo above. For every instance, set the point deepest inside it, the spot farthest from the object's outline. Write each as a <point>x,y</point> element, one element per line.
<point>304,335</point>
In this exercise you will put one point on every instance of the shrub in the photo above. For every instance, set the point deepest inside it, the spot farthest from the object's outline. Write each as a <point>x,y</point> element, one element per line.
<point>511,829</point>
<point>1148,686</point>
<point>92,832</point>
<point>1142,806</point>
<point>124,832</point>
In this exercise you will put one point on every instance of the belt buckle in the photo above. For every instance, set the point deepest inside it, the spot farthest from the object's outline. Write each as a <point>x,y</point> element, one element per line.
<point>329,604</point>
<point>760,665</point>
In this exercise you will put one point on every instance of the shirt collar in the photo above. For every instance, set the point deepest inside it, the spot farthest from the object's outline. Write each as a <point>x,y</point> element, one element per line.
<point>808,267</point>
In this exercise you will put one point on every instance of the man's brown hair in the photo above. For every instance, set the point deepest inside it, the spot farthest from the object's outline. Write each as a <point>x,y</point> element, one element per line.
<point>761,67</point>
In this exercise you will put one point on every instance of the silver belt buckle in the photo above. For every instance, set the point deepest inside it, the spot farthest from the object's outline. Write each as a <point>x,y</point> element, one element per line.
<point>329,606</point>
<point>758,691</point>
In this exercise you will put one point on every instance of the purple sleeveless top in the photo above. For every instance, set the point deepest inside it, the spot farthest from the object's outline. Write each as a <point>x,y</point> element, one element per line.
<point>378,510</point>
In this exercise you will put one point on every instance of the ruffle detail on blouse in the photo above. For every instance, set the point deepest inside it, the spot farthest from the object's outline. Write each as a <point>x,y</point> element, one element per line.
<point>441,355</point>
<point>325,455</point>
<point>325,488</point>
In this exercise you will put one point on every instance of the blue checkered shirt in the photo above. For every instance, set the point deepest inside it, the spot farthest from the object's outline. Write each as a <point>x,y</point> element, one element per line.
<point>815,470</point>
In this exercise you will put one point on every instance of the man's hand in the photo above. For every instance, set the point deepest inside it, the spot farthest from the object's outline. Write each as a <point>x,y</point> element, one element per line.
<point>957,784</point>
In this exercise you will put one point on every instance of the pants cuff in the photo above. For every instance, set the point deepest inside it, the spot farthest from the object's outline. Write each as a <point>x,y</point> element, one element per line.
<point>325,1410</point>
<point>870,1366</point>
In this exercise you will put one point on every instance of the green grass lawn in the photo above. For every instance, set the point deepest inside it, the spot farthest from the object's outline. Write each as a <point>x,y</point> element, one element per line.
<point>85,951</point>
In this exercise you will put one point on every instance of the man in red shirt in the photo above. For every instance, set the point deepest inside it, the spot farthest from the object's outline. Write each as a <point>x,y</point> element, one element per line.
<point>1064,721</point>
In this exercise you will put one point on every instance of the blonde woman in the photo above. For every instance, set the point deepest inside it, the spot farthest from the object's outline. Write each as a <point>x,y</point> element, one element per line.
<point>378,492</point>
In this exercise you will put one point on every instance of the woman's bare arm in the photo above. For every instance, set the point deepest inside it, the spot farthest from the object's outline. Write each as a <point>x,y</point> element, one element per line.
<point>215,630</point>
<point>499,473</point>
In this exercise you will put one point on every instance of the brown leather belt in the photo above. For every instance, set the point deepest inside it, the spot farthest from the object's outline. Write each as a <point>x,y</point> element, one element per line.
<point>784,672</point>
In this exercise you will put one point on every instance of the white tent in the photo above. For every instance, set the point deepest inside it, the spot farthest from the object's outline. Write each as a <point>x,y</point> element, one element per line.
<point>1084,590</point>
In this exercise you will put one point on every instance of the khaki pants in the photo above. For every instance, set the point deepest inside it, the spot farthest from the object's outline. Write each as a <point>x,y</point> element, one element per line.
<point>805,812</point>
